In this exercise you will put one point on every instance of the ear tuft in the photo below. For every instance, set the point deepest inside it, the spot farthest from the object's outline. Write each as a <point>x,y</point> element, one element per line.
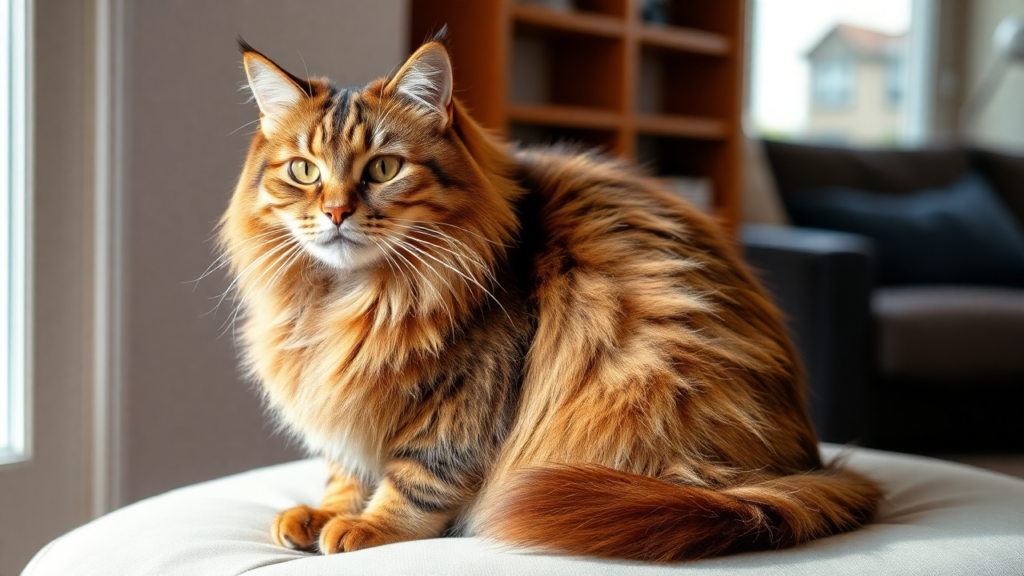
<point>244,46</point>
<point>440,36</point>
<point>275,90</point>
<point>426,79</point>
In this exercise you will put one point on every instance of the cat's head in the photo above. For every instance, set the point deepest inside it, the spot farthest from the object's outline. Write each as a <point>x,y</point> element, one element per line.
<point>389,178</point>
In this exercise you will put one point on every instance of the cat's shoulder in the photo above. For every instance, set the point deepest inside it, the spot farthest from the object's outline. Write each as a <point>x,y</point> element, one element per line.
<point>563,175</point>
<point>571,164</point>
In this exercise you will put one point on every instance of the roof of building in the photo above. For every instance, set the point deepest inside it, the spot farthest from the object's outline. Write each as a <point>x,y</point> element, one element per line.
<point>864,41</point>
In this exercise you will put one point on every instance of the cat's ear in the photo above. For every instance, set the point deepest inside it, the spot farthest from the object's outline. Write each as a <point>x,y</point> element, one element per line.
<point>276,91</point>
<point>426,79</point>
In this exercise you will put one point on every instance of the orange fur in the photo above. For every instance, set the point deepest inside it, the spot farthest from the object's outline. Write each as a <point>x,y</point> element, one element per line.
<point>540,346</point>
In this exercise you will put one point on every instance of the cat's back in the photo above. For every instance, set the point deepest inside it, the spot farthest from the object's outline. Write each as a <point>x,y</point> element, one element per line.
<point>593,212</point>
<point>641,301</point>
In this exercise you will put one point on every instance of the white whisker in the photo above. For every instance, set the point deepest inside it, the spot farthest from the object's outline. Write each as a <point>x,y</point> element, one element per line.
<point>261,258</point>
<point>473,280</point>
<point>425,279</point>
<point>225,259</point>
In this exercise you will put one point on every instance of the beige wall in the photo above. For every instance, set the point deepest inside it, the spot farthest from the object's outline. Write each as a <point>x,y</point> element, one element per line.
<point>869,119</point>
<point>186,414</point>
<point>1001,124</point>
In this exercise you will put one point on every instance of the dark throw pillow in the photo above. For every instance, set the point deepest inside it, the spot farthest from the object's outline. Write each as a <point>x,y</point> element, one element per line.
<point>960,234</point>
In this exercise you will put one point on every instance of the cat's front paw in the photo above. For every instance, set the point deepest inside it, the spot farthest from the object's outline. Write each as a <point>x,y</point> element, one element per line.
<point>299,528</point>
<point>351,533</point>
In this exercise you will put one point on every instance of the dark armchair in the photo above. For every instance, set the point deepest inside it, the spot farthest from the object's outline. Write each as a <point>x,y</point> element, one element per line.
<point>916,368</point>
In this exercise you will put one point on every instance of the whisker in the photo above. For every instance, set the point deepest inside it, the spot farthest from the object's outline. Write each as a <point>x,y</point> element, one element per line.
<point>293,245</point>
<point>293,248</point>
<point>396,267</point>
<point>454,243</point>
<point>473,280</point>
<point>234,282</point>
<point>423,276</point>
<point>242,126</point>
<point>466,230</point>
<point>385,254</point>
<point>225,259</point>
<point>308,93</point>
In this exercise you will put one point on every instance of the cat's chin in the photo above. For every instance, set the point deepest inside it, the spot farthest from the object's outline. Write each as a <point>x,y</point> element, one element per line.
<point>346,256</point>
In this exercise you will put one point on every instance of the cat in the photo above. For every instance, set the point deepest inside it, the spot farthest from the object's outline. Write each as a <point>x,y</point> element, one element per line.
<point>538,346</point>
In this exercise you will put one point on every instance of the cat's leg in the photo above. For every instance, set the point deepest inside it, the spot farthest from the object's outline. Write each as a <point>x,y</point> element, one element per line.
<point>411,503</point>
<point>299,528</point>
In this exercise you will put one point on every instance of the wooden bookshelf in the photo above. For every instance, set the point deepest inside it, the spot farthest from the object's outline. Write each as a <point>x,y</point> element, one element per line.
<point>575,21</point>
<point>567,116</point>
<point>668,95</point>
<point>696,127</point>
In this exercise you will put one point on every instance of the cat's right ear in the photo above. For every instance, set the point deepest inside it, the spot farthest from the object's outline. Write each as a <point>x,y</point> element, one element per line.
<point>275,90</point>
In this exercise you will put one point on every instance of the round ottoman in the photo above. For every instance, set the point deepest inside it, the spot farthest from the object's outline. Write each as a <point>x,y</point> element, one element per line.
<point>938,518</point>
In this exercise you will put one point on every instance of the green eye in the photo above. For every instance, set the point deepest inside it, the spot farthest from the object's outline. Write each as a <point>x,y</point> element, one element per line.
<point>383,168</point>
<point>303,172</point>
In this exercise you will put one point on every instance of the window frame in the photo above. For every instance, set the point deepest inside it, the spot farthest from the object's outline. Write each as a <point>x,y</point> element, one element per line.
<point>15,243</point>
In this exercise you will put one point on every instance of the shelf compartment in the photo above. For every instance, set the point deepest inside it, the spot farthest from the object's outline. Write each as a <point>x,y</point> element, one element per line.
<point>696,127</point>
<point>575,21</point>
<point>686,40</point>
<point>567,69</point>
<point>677,83</point>
<point>673,156</point>
<point>566,116</point>
<point>709,15</point>
<point>529,133</point>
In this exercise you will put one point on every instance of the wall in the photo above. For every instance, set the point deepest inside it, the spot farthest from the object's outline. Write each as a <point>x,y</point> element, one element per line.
<point>1001,124</point>
<point>185,414</point>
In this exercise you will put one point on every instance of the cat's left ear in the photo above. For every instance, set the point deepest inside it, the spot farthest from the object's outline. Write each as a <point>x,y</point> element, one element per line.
<point>426,79</point>
<point>276,91</point>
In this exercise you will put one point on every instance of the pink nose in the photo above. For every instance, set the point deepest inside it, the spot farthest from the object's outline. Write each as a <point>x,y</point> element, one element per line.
<point>338,213</point>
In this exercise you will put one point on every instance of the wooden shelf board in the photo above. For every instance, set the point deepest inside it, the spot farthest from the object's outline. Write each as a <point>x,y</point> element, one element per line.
<point>570,21</point>
<point>686,40</point>
<point>696,127</point>
<point>565,116</point>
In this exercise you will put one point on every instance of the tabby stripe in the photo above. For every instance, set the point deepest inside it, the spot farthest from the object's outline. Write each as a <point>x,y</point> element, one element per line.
<point>341,110</point>
<point>424,203</point>
<point>385,139</point>
<point>353,120</point>
<point>442,177</point>
<point>414,494</point>
<point>445,470</point>
<point>260,172</point>
<point>367,138</point>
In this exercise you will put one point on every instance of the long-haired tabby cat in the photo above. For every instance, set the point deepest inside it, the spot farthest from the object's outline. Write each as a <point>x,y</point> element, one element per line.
<point>537,346</point>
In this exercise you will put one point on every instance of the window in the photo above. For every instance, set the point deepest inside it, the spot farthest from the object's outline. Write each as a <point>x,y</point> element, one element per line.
<point>833,83</point>
<point>839,71</point>
<point>14,143</point>
<point>894,81</point>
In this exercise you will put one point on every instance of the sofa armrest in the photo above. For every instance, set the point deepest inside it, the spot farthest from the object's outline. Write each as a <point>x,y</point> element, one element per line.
<point>822,281</point>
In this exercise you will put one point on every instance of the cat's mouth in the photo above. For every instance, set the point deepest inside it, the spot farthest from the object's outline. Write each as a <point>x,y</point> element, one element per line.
<point>339,239</point>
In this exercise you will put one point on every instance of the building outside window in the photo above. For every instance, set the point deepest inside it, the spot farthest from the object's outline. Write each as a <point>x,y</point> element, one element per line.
<point>833,83</point>
<point>831,72</point>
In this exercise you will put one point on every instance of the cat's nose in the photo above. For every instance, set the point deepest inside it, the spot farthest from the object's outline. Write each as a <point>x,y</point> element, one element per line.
<point>338,213</point>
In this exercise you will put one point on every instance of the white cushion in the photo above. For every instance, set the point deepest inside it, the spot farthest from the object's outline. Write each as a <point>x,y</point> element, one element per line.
<point>939,518</point>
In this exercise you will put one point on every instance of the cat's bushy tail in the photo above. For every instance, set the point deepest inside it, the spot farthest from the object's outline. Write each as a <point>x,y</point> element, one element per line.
<point>597,511</point>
